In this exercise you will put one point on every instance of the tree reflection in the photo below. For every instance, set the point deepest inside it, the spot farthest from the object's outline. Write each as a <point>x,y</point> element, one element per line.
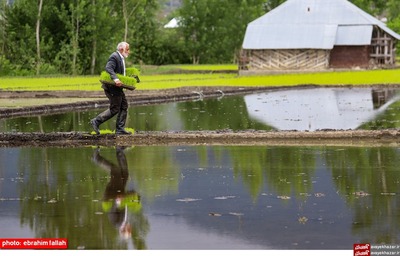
<point>368,179</point>
<point>46,123</point>
<point>215,114</point>
<point>284,169</point>
<point>65,195</point>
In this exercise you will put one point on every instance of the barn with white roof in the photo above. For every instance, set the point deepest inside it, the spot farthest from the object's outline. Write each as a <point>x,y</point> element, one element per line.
<point>317,35</point>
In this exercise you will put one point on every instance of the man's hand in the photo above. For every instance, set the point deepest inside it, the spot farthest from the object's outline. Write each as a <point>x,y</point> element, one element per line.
<point>118,82</point>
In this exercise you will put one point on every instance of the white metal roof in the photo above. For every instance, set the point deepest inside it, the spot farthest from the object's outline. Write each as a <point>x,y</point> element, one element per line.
<point>318,24</point>
<point>293,36</point>
<point>173,23</point>
<point>354,35</point>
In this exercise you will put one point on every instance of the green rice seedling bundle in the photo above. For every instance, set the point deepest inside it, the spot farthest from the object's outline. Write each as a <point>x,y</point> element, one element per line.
<point>129,80</point>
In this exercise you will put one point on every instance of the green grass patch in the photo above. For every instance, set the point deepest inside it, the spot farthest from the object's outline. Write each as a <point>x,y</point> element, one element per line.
<point>32,102</point>
<point>167,81</point>
<point>168,69</point>
<point>230,67</point>
<point>107,131</point>
<point>86,83</point>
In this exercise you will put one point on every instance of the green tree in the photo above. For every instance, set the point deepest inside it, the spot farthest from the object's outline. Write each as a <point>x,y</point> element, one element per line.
<point>373,7</point>
<point>3,6</point>
<point>214,29</point>
<point>237,15</point>
<point>128,10</point>
<point>194,16</point>
<point>29,35</point>
<point>169,48</point>
<point>99,35</point>
<point>73,36</point>
<point>3,60</point>
<point>76,20</point>
<point>393,7</point>
<point>38,21</point>
<point>272,4</point>
<point>20,30</point>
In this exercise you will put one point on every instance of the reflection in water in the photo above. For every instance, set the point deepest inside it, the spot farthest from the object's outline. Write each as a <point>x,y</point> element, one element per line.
<point>296,109</point>
<point>203,197</point>
<point>382,96</point>
<point>212,197</point>
<point>119,203</point>
<point>319,108</point>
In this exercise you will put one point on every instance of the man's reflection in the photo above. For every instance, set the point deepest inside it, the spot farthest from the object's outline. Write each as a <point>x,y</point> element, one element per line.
<point>123,207</point>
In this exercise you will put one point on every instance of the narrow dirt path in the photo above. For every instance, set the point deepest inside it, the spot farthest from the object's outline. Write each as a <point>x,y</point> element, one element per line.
<point>224,137</point>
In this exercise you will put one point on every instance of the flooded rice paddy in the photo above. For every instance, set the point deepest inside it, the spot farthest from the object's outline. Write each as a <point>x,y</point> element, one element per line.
<point>301,110</point>
<point>211,197</point>
<point>202,197</point>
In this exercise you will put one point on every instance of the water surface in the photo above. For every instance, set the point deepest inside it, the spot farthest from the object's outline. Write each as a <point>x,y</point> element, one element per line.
<point>211,197</point>
<point>295,109</point>
<point>202,197</point>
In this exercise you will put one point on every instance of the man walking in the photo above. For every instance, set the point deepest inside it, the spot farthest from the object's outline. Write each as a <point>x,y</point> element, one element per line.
<point>115,94</point>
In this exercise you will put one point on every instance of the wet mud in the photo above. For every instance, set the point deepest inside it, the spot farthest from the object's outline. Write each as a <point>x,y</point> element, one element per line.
<point>221,137</point>
<point>225,137</point>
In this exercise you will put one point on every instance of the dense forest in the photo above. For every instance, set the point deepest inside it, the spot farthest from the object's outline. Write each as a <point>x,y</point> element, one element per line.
<point>76,37</point>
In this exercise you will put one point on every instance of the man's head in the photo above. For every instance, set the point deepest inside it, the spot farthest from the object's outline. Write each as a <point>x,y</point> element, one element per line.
<point>123,48</point>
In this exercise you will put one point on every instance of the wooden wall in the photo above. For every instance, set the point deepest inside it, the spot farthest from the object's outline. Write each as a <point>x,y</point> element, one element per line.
<point>383,51</point>
<point>350,57</point>
<point>297,59</point>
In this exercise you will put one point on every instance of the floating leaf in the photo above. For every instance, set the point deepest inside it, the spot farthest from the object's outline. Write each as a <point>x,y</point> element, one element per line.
<point>236,213</point>
<point>303,220</point>
<point>215,214</point>
<point>186,200</point>
<point>361,193</point>
<point>388,194</point>
<point>224,197</point>
<point>52,201</point>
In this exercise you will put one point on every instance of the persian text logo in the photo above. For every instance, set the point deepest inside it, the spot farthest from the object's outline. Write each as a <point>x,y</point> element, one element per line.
<point>362,249</point>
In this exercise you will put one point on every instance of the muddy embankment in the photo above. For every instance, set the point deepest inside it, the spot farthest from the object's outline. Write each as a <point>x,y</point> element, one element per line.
<point>222,137</point>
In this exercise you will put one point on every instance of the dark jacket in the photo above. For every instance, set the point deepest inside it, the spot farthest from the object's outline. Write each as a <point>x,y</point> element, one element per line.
<point>114,66</point>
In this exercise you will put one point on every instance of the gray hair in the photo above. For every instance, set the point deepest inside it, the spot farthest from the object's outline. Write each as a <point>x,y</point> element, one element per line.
<point>121,45</point>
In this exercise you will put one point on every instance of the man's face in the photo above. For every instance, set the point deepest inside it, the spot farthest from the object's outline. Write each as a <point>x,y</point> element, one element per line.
<point>125,51</point>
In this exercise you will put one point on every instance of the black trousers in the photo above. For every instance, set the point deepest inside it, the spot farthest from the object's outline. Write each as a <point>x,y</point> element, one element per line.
<point>117,101</point>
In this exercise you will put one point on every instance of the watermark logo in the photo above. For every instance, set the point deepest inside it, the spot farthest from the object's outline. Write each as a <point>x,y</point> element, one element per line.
<point>362,249</point>
<point>34,243</point>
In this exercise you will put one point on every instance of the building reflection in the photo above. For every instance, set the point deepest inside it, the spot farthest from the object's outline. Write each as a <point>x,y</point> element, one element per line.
<point>319,108</point>
<point>382,96</point>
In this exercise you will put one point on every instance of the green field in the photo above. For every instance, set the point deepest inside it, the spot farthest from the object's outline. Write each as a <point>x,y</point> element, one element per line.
<point>23,102</point>
<point>162,78</point>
